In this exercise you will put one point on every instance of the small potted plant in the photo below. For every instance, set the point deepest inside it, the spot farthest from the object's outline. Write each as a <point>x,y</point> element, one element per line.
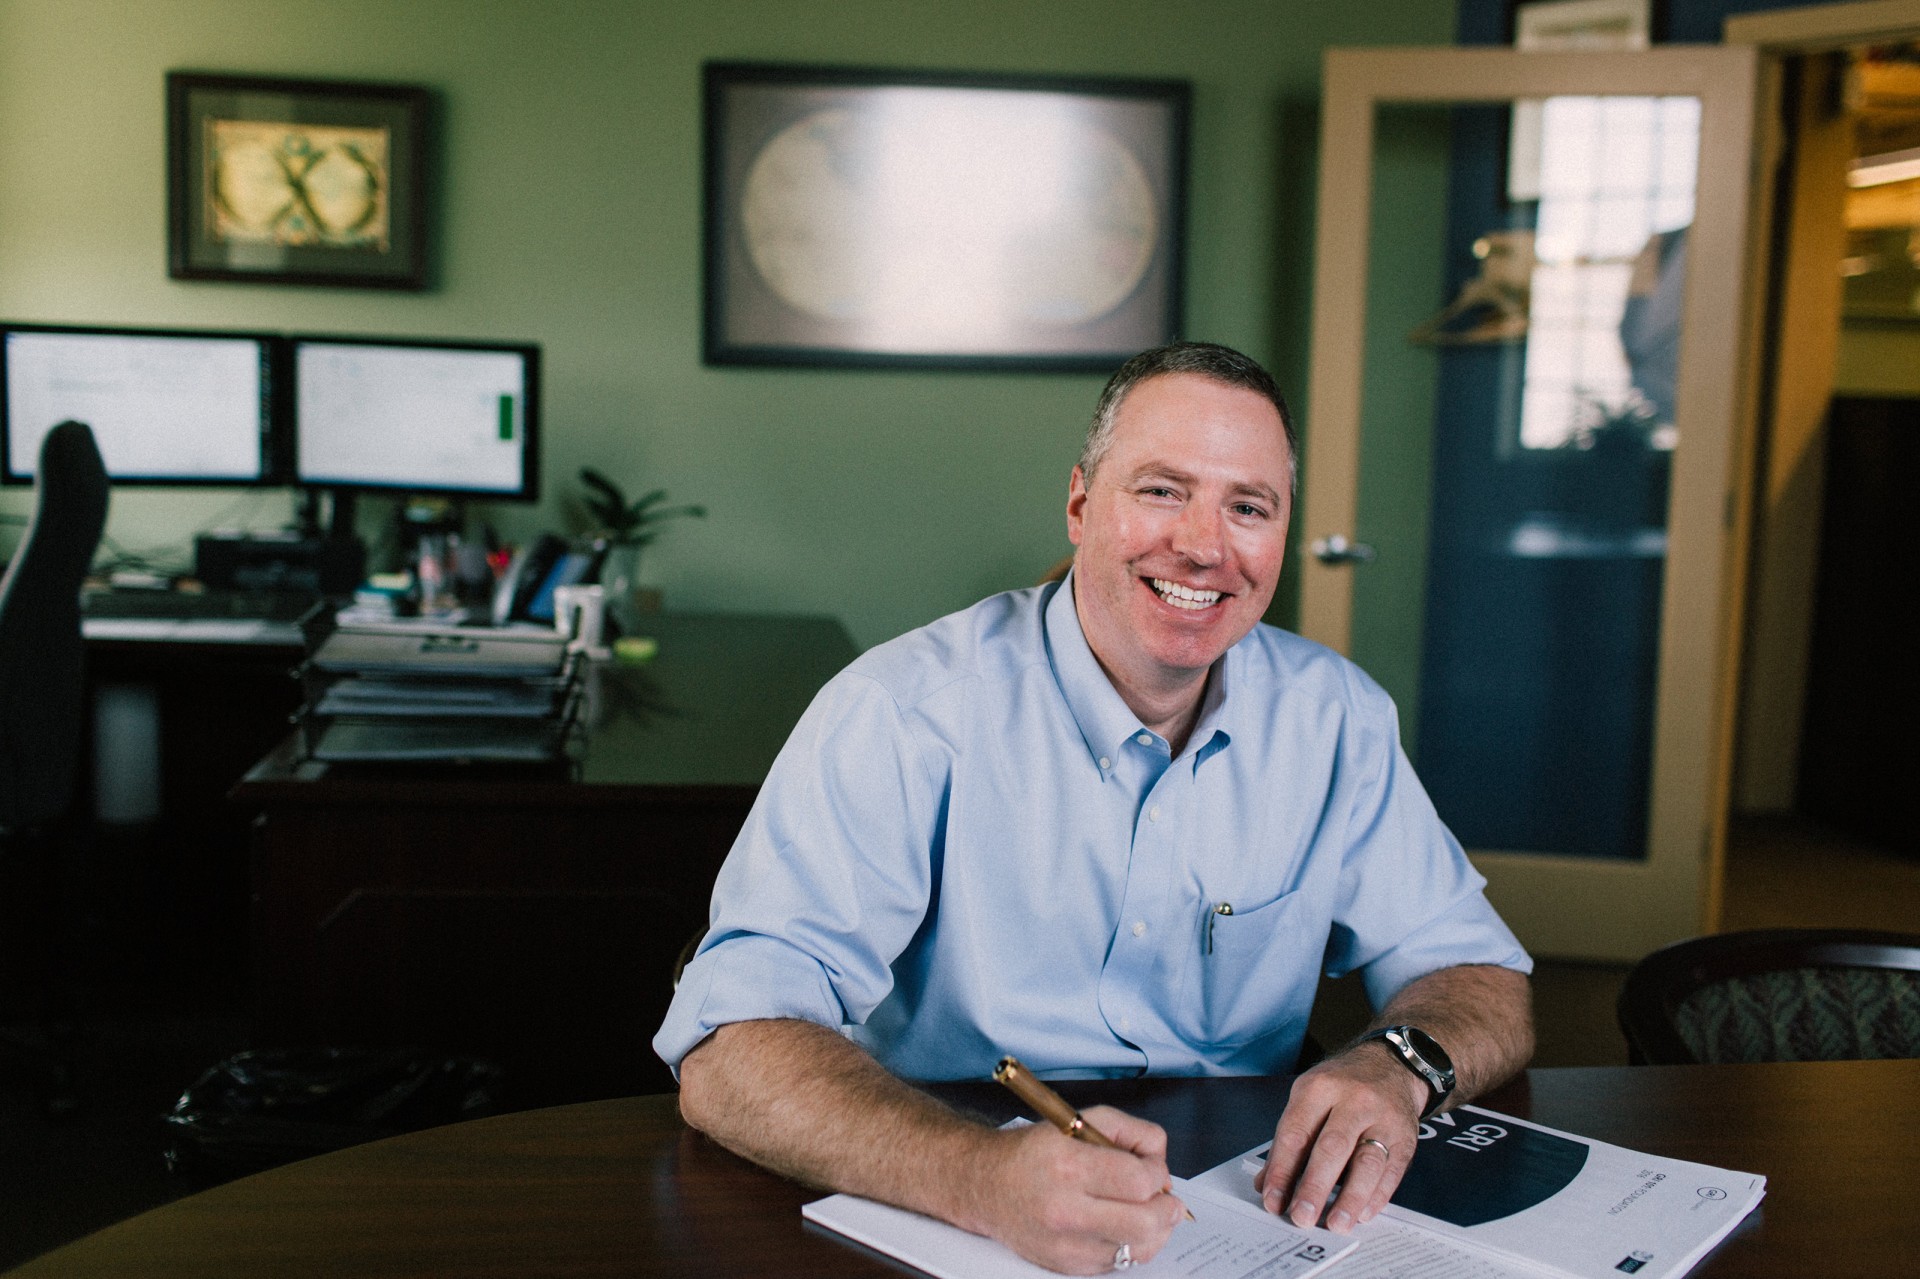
<point>627,527</point>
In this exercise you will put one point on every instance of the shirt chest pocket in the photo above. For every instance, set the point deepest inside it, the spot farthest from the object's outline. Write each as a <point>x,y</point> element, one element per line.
<point>1255,970</point>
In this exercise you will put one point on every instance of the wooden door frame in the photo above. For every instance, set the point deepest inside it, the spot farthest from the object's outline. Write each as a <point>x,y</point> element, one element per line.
<point>1559,904</point>
<point>1787,432</point>
<point>1821,28</point>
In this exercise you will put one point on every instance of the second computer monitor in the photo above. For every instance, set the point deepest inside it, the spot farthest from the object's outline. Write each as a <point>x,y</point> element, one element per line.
<point>451,418</point>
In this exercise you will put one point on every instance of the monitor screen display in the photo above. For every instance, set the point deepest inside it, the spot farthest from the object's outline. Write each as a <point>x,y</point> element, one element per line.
<point>446,418</point>
<point>165,408</point>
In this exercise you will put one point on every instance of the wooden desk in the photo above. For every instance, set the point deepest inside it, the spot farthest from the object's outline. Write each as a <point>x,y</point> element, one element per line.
<point>526,916</point>
<point>175,890</point>
<point>623,1188</point>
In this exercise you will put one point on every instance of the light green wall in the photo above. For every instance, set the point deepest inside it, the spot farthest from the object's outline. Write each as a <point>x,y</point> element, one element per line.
<point>569,214</point>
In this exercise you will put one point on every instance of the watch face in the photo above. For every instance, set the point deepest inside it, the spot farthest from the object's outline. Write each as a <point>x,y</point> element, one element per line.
<point>1429,1047</point>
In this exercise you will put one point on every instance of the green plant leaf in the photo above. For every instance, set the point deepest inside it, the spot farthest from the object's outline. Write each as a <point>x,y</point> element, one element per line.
<point>604,501</point>
<point>600,483</point>
<point>627,523</point>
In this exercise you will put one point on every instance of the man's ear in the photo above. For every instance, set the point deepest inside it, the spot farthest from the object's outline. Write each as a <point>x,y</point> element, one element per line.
<point>1076,505</point>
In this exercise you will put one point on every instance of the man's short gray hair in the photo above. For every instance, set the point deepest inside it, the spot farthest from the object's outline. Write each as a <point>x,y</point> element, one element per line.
<point>1210,360</point>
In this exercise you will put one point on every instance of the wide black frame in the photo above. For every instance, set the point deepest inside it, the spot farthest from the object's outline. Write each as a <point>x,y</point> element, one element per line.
<point>274,458</point>
<point>747,321</point>
<point>195,250</point>
<point>530,353</point>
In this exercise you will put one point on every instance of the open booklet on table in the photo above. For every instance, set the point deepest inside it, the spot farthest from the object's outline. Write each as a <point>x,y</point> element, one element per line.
<point>1487,1196</point>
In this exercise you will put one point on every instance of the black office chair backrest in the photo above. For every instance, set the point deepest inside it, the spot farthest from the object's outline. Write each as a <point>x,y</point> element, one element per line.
<point>42,679</point>
<point>1775,995</point>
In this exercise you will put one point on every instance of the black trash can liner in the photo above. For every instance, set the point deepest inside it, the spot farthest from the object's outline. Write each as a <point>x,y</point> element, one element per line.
<point>259,1109</point>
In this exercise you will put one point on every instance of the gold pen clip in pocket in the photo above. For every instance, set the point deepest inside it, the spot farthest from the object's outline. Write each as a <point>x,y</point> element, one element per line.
<point>1218,909</point>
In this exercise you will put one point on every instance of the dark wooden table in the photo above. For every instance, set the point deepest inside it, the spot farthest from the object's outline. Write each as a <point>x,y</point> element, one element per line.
<point>623,1188</point>
<point>530,917</point>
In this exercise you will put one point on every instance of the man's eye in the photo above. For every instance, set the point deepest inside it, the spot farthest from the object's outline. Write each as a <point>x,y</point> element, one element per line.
<point>1250,510</point>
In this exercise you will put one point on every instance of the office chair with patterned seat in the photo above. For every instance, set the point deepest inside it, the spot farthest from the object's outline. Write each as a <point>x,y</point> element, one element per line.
<point>43,694</point>
<point>1775,995</point>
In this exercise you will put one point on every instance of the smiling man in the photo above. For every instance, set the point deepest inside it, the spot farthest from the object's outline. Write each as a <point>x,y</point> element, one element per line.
<point>1113,826</point>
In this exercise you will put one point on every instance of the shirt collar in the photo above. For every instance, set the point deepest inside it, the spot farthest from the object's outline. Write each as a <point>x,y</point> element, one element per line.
<point>1103,717</point>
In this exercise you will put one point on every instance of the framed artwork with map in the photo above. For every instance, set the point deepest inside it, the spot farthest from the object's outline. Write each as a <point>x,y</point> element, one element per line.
<point>296,181</point>
<point>941,220</point>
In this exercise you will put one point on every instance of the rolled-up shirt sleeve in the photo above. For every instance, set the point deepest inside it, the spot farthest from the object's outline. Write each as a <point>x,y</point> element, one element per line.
<point>828,880</point>
<point>1410,901</point>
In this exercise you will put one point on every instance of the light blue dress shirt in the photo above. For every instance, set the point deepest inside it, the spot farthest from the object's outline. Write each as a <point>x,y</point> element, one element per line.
<point>971,847</point>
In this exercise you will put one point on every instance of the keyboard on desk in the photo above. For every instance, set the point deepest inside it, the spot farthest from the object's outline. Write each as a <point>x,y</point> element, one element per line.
<point>191,606</point>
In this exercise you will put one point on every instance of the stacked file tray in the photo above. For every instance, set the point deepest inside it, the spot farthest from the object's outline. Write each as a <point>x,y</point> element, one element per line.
<point>406,694</point>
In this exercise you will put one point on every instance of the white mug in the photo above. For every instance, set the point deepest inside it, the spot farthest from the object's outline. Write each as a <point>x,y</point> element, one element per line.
<point>579,613</point>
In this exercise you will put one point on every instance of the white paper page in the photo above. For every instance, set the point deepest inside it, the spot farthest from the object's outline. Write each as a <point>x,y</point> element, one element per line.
<point>1390,1249</point>
<point>1581,1207</point>
<point>1224,1241</point>
<point>1624,1213</point>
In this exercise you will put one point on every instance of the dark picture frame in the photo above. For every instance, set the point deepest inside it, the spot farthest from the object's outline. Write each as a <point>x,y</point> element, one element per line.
<point>276,181</point>
<point>926,219</point>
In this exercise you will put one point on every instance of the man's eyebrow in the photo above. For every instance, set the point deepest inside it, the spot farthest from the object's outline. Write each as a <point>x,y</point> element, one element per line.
<point>1264,492</point>
<point>1162,471</point>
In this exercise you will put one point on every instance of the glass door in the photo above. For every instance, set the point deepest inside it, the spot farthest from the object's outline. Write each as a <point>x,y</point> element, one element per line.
<point>1524,492</point>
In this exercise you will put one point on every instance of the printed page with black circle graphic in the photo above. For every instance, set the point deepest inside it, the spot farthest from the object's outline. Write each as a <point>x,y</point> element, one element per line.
<point>1520,1194</point>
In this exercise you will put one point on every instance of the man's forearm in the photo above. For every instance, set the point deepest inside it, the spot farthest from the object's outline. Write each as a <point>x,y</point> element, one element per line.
<point>804,1101</point>
<point>1482,1016</point>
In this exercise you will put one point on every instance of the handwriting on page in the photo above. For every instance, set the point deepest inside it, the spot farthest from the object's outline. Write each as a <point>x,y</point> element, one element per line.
<point>1222,1247</point>
<point>1390,1250</point>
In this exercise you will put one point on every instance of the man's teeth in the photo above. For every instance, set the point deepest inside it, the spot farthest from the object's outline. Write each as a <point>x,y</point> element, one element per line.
<point>1183,596</point>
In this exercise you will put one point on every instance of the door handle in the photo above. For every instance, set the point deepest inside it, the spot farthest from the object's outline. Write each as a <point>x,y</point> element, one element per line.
<point>1337,549</point>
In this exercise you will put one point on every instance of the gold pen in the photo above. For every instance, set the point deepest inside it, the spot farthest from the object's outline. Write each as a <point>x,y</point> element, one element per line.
<point>1053,1108</point>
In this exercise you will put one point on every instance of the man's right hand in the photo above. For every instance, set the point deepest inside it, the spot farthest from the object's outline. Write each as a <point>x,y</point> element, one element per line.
<point>806,1102</point>
<point>1068,1205</point>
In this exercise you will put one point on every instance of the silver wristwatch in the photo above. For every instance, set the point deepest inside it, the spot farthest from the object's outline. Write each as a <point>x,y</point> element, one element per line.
<point>1422,1054</point>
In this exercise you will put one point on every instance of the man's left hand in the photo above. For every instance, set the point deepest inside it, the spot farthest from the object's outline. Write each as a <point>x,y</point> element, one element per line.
<point>1351,1120</point>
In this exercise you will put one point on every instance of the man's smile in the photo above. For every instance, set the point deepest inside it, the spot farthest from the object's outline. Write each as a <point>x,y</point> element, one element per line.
<point>1191,598</point>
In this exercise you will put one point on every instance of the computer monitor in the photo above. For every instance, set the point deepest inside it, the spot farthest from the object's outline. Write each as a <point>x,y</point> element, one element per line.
<point>165,406</point>
<point>456,419</point>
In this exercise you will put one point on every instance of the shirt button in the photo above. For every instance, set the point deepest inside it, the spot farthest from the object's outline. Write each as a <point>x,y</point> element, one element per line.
<point>1139,928</point>
<point>1153,814</point>
<point>1105,762</point>
<point>1145,739</point>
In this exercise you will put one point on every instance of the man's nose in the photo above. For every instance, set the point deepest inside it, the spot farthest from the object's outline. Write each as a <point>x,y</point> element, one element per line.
<point>1199,535</point>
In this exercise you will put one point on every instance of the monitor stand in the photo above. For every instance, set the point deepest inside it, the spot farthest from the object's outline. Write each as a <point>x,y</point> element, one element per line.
<point>340,554</point>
